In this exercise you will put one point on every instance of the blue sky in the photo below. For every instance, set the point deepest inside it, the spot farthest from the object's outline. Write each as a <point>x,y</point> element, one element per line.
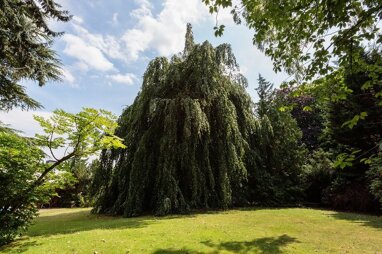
<point>108,44</point>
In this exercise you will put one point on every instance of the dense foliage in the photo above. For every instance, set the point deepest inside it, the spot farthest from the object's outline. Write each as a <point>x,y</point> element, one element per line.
<point>21,161</point>
<point>276,180</point>
<point>354,132</point>
<point>194,141</point>
<point>186,134</point>
<point>302,37</point>
<point>347,100</point>
<point>374,175</point>
<point>28,180</point>
<point>308,114</point>
<point>332,49</point>
<point>77,194</point>
<point>25,48</point>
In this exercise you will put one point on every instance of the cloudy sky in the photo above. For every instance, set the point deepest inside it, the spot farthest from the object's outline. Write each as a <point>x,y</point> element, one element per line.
<point>108,44</point>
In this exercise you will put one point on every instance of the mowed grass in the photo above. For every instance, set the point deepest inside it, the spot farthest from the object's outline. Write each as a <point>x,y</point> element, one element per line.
<point>291,230</point>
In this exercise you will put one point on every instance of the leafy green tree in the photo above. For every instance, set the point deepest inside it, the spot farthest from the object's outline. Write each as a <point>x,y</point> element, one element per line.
<point>302,37</point>
<point>355,122</point>
<point>187,136</point>
<point>266,93</point>
<point>27,180</point>
<point>314,40</point>
<point>25,48</point>
<point>76,194</point>
<point>20,160</point>
<point>353,131</point>
<point>279,152</point>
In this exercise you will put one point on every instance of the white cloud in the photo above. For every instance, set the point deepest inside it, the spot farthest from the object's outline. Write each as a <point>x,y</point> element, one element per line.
<point>86,53</point>
<point>67,76</point>
<point>128,78</point>
<point>78,19</point>
<point>106,45</point>
<point>115,18</point>
<point>23,120</point>
<point>163,33</point>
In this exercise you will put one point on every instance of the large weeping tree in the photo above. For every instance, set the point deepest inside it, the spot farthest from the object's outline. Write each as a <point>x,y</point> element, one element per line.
<point>187,134</point>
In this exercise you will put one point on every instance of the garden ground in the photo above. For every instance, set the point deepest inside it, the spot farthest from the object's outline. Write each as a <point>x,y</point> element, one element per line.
<point>292,230</point>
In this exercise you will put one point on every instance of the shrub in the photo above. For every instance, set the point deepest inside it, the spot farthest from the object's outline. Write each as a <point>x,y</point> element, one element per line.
<point>318,172</point>
<point>375,177</point>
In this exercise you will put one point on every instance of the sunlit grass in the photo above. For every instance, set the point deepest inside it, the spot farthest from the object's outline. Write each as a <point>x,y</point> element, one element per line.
<point>237,231</point>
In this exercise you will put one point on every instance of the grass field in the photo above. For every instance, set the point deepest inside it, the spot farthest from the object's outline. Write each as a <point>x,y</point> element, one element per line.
<point>236,231</point>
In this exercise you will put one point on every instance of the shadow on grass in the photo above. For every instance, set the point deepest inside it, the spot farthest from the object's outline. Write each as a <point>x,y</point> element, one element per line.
<point>260,245</point>
<point>174,251</point>
<point>272,245</point>
<point>69,223</point>
<point>362,219</point>
<point>18,247</point>
<point>73,222</point>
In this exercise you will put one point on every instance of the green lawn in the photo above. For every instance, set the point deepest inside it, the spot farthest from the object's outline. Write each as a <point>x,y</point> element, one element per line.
<point>237,231</point>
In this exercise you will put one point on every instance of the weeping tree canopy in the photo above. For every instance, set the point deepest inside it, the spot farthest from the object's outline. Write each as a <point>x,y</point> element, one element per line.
<point>187,137</point>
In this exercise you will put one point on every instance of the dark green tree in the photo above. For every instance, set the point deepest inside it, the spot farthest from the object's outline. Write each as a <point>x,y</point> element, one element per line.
<point>355,122</point>
<point>308,114</point>
<point>25,48</point>
<point>278,151</point>
<point>354,132</point>
<point>374,175</point>
<point>265,92</point>
<point>187,137</point>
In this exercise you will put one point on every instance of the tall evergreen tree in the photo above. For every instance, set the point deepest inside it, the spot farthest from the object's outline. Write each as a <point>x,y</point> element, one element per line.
<point>279,153</point>
<point>187,136</point>
<point>25,48</point>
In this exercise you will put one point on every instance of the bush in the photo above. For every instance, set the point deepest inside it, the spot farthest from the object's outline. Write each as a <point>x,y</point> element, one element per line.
<point>375,178</point>
<point>318,173</point>
<point>349,195</point>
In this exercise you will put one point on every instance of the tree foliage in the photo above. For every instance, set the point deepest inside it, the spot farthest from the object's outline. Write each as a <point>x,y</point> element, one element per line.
<point>351,135</point>
<point>279,152</point>
<point>307,112</point>
<point>302,37</point>
<point>25,48</point>
<point>354,123</point>
<point>21,161</point>
<point>353,130</point>
<point>27,180</point>
<point>374,175</point>
<point>194,141</point>
<point>77,194</point>
<point>186,134</point>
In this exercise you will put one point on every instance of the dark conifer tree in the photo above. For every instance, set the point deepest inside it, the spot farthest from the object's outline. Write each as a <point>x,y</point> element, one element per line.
<point>25,48</point>
<point>274,179</point>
